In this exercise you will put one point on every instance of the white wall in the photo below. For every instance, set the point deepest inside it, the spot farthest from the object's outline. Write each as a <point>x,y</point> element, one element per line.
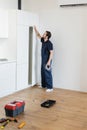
<point>69,29</point>
<point>8,4</point>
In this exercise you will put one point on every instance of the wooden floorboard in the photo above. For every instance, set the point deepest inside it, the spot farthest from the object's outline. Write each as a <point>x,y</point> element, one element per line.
<point>69,112</point>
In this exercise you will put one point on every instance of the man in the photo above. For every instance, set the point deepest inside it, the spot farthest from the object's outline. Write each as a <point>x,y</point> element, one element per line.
<point>46,55</point>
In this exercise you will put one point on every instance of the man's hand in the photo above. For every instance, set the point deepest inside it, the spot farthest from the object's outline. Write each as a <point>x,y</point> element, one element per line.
<point>37,33</point>
<point>48,63</point>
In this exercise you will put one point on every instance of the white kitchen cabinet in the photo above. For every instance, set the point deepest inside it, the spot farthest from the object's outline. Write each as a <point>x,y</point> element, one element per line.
<point>22,76</point>
<point>14,76</point>
<point>22,56</point>
<point>7,78</point>
<point>22,44</point>
<point>3,24</point>
<point>25,20</point>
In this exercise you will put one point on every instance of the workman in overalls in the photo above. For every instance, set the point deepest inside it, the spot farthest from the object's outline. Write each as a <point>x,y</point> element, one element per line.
<point>46,55</point>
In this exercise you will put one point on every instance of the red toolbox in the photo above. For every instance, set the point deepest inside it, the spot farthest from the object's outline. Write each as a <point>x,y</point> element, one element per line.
<point>14,108</point>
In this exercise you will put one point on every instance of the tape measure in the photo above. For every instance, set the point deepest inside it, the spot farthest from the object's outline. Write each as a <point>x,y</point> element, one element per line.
<point>47,67</point>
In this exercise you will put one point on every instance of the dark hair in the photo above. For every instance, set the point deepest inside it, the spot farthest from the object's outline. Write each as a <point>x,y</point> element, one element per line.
<point>48,34</point>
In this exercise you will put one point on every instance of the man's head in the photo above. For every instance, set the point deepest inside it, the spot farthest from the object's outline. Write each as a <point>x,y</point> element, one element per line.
<point>47,35</point>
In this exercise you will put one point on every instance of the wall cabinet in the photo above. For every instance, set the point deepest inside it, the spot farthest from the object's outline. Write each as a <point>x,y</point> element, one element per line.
<point>3,24</point>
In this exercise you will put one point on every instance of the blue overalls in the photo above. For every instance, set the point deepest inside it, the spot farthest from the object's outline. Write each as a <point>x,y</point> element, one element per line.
<point>46,75</point>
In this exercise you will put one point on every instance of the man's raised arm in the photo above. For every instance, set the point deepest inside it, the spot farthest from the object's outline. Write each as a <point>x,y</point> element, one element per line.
<point>37,33</point>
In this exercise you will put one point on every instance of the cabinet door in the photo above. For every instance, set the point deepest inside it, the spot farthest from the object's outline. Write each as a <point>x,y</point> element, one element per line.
<point>22,44</point>
<point>22,76</point>
<point>4,79</point>
<point>3,24</point>
<point>12,71</point>
<point>7,78</point>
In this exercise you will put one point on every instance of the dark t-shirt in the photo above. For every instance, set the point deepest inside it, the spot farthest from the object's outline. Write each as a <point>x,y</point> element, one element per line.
<point>45,50</point>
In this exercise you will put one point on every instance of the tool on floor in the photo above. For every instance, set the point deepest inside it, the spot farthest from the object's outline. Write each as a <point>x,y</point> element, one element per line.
<point>3,120</point>
<point>21,125</point>
<point>10,119</point>
<point>48,103</point>
<point>6,121</point>
<point>4,124</point>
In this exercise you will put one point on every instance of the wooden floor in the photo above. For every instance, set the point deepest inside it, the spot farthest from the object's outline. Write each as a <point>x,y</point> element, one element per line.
<point>69,112</point>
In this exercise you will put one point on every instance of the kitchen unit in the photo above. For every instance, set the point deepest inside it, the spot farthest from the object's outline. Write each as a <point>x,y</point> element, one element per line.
<point>16,70</point>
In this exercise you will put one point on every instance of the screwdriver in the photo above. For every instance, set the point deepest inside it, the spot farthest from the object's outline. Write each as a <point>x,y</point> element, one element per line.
<point>4,124</point>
